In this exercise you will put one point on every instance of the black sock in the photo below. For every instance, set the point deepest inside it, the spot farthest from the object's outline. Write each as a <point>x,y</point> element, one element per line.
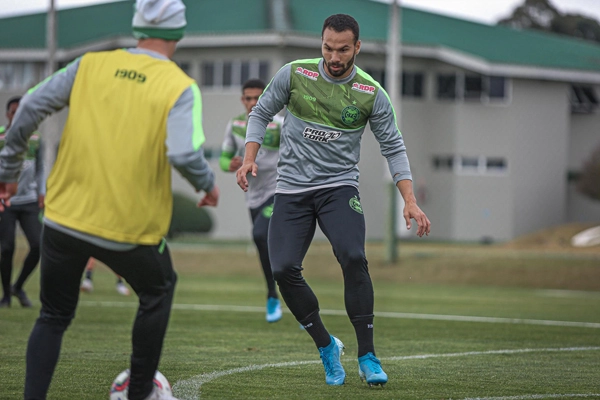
<point>315,328</point>
<point>88,275</point>
<point>363,326</point>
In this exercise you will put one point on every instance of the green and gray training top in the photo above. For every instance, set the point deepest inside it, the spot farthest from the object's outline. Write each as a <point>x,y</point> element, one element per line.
<point>324,122</point>
<point>31,179</point>
<point>262,186</point>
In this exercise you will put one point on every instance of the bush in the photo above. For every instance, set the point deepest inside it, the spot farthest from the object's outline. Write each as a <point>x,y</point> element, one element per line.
<point>187,218</point>
<point>589,180</point>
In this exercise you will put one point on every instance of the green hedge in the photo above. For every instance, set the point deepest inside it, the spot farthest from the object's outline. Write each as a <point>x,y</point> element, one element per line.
<point>187,218</point>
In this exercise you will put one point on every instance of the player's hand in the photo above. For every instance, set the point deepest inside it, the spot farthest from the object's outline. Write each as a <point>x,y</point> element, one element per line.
<point>41,201</point>
<point>244,170</point>
<point>412,211</point>
<point>7,190</point>
<point>211,198</point>
<point>235,164</point>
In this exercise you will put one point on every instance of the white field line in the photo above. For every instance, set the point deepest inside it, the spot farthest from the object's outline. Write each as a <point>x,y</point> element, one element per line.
<point>380,314</point>
<point>537,396</point>
<point>189,389</point>
<point>562,293</point>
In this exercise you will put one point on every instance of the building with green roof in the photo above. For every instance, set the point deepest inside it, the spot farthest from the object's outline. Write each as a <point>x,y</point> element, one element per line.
<point>494,118</point>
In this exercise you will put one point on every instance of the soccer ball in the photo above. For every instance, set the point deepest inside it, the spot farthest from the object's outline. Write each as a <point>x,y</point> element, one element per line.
<point>120,386</point>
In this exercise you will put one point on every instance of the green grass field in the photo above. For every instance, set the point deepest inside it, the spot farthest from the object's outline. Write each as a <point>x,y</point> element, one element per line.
<point>452,322</point>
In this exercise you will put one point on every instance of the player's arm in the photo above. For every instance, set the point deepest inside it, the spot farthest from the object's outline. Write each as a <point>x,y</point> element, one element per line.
<point>384,127</point>
<point>275,96</point>
<point>47,97</point>
<point>227,160</point>
<point>185,137</point>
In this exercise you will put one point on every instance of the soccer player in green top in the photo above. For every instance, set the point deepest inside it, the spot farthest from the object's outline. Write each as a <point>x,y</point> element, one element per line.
<point>329,102</point>
<point>25,210</point>
<point>259,198</point>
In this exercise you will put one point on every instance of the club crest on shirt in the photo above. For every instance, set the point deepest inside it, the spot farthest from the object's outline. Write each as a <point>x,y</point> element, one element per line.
<point>350,115</point>
<point>319,135</point>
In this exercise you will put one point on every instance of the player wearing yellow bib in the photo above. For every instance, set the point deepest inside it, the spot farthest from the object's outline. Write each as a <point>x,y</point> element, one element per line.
<point>132,114</point>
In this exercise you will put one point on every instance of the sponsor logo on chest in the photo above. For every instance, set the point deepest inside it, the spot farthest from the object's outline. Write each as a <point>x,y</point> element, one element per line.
<point>312,75</point>
<point>359,87</point>
<point>319,135</point>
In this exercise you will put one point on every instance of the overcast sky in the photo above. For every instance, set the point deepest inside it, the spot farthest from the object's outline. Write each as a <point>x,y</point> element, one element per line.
<point>486,11</point>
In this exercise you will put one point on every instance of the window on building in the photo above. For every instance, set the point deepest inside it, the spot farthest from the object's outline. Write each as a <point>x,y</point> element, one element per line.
<point>263,71</point>
<point>470,165</point>
<point>446,86</point>
<point>227,74</point>
<point>496,87</point>
<point>443,163</point>
<point>412,84</point>
<point>495,164</point>
<point>245,71</point>
<point>208,73</point>
<point>584,99</point>
<point>233,73</point>
<point>20,75</point>
<point>377,74</point>
<point>473,87</point>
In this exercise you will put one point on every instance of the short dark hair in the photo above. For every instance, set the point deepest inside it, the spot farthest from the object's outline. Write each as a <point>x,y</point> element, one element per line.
<point>341,23</point>
<point>253,84</point>
<point>11,101</point>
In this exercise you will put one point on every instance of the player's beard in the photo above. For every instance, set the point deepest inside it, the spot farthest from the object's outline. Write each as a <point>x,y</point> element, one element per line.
<point>343,70</point>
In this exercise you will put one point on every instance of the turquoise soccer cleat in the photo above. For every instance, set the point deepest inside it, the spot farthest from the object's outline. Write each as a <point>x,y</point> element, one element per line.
<point>369,369</point>
<point>330,355</point>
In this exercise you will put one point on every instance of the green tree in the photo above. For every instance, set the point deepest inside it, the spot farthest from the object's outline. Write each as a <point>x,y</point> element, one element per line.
<point>542,15</point>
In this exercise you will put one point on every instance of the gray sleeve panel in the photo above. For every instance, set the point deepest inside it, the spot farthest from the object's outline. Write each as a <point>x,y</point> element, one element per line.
<point>191,164</point>
<point>44,99</point>
<point>180,124</point>
<point>40,170</point>
<point>273,99</point>
<point>195,169</point>
<point>383,125</point>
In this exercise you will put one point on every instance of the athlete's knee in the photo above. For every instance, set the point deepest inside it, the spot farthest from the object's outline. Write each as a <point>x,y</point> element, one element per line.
<point>260,237</point>
<point>34,244</point>
<point>7,250</point>
<point>353,257</point>
<point>287,272</point>
<point>59,322</point>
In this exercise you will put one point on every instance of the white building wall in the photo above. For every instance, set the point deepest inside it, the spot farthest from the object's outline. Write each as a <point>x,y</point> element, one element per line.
<point>538,130</point>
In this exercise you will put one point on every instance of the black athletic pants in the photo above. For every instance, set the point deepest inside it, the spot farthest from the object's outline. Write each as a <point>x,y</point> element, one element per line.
<point>147,269</point>
<point>339,215</point>
<point>260,231</point>
<point>28,217</point>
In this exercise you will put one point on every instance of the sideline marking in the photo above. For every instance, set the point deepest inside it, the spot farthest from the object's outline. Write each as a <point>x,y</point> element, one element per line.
<point>535,396</point>
<point>380,314</point>
<point>189,389</point>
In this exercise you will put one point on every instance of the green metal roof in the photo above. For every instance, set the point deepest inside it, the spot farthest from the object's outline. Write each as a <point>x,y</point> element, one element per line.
<point>496,44</point>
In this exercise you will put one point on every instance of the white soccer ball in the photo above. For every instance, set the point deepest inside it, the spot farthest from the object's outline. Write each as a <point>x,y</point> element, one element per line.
<point>120,386</point>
